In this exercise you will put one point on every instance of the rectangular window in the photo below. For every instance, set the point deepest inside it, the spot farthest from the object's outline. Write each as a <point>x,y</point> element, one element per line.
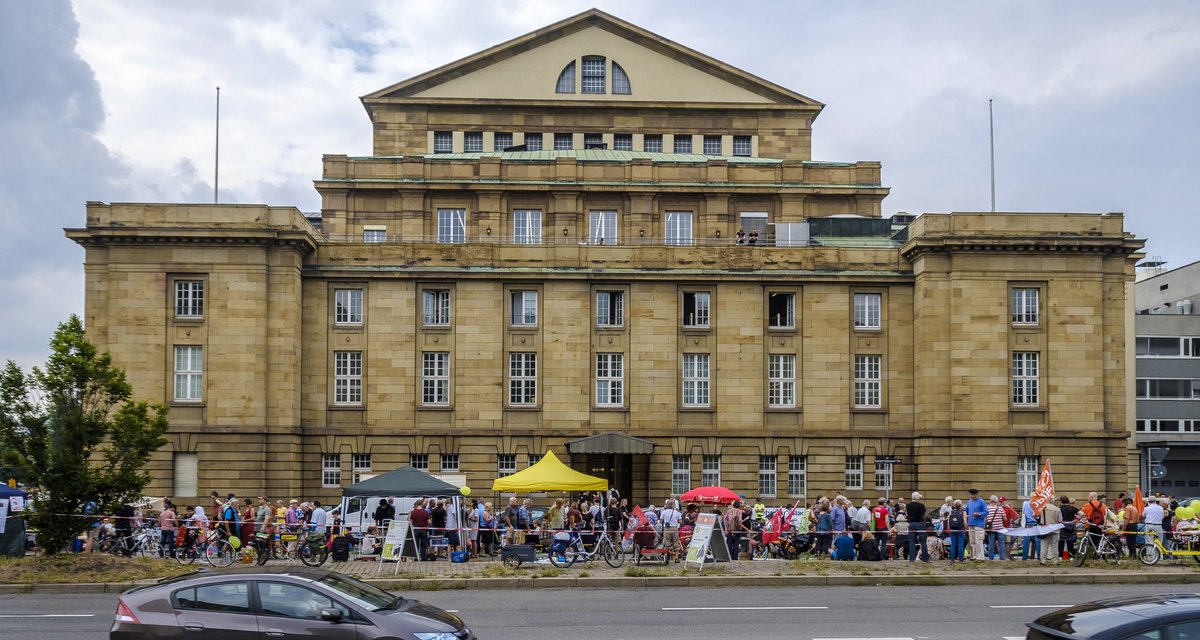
<point>683,143</point>
<point>527,226</point>
<point>695,309</point>
<point>331,470</point>
<point>1167,347</point>
<point>452,226</point>
<point>1027,475</point>
<point>533,142</point>
<point>610,309</point>
<point>347,377</point>
<point>867,382</point>
<point>347,306</point>
<point>681,474</point>
<point>854,472</point>
<point>603,227</point>
<point>186,471</point>
<point>1025,378</point>
<point>189,298</point>
<point>766,476</point>
<point>419,461</point>
<point>436,308</point>
<point>473,141</point>
<point>189,374</point>
<point>883,476</point>
<point>501,141</point>
<point>1024,305</point>
<point>866,310</point>
<point>623,142</point>
<point>360,463</point>
<point>524,308</point>
<point>741,145</point>
<point>534,458</point>
<point>435,378</point>
<point>610,379</point>
<point>695,380</point>
<point>593,141</point>
<point>562,141</point>
<point>652,143</point>
<point>781,381</point>
<point>443,142</point>
<point>1188,426</point>
<point>374,234</point>
<point>522,378</point>
<point>679,228</point>
<point>450,463</point>
<point>506,464</point>
<point>712,145</point>
<point>1168,388</point>
<point>797,476</point>
<point>593,75</point>
<point>710,471</point>
<point>781,310</point>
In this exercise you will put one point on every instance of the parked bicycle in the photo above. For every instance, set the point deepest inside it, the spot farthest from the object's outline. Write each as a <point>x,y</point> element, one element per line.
<point>143,541</point>
<point>205,544</point>
<point>1108,548</point>
<point>569,550</point>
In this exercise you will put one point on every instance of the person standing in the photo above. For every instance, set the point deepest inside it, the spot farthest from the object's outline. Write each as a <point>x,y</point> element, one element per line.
<point>384,513</point>
<point>511,520</point>
<point>1052,514</point>
<point>976,520</point>
<point>123,528</point>
<point>1152,518</point>
<point>438,516</point>
<point>671,518</point>
<point>1066,538</point>
<point>996,544</point>
<point>731,521</point>
<point>419,518</point>
<point>1131,516</point>
<point>917,528</point>
<point>1030,545</point>
<point>956,524</point>
<point>167,521</point>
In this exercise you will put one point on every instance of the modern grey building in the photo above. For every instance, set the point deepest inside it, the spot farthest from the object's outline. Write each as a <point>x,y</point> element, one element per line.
<point>1168,380</point>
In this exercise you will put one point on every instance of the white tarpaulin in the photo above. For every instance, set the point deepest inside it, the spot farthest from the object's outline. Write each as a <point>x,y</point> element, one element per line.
<point>1029,532</point>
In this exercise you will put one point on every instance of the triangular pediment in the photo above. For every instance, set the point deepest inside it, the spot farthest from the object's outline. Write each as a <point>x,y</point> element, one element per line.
<point>528,67</point>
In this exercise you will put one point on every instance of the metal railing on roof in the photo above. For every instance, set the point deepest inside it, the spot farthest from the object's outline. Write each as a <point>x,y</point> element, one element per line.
<point>765,240</point>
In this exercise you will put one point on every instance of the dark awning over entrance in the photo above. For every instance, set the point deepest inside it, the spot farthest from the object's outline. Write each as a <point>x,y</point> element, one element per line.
<point>611,442</point>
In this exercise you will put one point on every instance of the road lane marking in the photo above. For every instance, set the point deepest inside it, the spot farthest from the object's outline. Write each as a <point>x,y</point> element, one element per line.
<point>904,638</point>
<point>1028,606</point>
<point>47,615</point>
<point>739,608</point>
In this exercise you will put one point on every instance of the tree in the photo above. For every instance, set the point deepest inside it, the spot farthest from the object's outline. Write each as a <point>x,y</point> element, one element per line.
<point>75,435</point>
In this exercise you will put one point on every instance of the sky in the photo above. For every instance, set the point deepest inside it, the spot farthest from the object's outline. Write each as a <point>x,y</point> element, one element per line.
<point>1095,105</point>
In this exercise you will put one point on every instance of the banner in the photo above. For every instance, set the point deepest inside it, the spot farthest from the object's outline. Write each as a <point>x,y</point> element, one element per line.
<point>1044,492</point>
<point>16,503</point>
<point>3,513</point>
<point>1032,532</point>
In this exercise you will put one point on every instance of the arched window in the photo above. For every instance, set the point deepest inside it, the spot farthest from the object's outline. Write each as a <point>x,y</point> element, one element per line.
<point>566,79</point>
<point>620,81</point>
<point>593,74</point>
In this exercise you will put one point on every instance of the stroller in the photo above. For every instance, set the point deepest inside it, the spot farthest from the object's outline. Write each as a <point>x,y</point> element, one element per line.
<point>648,547</point>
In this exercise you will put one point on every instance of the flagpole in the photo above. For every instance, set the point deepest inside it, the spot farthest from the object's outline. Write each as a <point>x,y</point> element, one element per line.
<point>992,152</point>
<point>217,151</point>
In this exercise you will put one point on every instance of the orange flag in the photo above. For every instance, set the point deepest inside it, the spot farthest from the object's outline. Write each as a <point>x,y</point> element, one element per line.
<point>1044,492</point>
<point>1138,502</point>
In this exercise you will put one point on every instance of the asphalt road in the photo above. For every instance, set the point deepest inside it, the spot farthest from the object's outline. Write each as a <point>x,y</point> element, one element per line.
<point>895,613</point>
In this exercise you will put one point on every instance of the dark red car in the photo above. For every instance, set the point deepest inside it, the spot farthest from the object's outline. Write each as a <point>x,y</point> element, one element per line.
<point>277,602</point>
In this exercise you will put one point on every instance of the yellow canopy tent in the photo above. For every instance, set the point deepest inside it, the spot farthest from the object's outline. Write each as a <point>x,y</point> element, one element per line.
<point>549,474</point>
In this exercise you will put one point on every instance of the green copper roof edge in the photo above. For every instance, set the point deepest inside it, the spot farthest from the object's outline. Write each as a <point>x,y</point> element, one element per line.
<point>686,158</point>
<point>659,272</point>
<point>609,183</point>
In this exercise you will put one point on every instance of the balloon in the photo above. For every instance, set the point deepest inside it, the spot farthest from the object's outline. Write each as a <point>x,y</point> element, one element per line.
<point>1194,505</point>
<point>1185,513</point>
<point>466,491</point>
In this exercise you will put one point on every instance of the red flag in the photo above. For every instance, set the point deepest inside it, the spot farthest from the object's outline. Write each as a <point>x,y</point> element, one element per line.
<point>641,518</point>
<point>1044,492</point>
<point>776,528</point>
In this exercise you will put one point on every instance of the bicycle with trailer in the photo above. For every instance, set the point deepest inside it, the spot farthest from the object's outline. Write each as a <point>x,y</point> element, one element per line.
<point>567,549</point>
<point>648,545</point>
<point>1186,546</point>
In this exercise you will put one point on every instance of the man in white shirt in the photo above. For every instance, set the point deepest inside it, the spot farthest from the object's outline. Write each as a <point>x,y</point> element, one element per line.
<point>320,519</point>
<point>863,516</point>
<point>1152,517</point>
<point>670,518</point>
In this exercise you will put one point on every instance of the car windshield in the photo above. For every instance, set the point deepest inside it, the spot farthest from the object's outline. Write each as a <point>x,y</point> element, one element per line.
<point>360,593</point>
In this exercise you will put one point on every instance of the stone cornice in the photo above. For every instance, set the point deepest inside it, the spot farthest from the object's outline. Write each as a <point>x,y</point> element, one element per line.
<point>917,248</point>
<point>102,236</point>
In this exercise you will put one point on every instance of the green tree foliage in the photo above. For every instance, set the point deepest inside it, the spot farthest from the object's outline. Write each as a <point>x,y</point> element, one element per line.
<point>74,434</point>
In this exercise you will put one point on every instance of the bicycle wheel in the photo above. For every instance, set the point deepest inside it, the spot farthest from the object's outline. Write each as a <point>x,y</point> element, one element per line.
<point>219,553</point>
<point>565,559</point>
<point>107,546</point>
<point>1084,549</point>
<point>314,555</point>
<point>1149,554</point>
<point>761,552</point>
<point>185,556</point>
<point>613,555</point>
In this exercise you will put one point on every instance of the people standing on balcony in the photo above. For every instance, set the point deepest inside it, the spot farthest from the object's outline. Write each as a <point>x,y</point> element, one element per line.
<point>741,236</point>
<point>753,237</point>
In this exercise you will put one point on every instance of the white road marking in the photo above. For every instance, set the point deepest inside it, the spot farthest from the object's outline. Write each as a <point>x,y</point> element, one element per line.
<point>1028,606</point>
<point>47,615</point>
<point>904,638</point>
<point>1014,638</point>
<point>739,608</point>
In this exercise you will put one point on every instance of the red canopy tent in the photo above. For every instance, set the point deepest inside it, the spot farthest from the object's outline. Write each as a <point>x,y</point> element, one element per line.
<point>710,495</point>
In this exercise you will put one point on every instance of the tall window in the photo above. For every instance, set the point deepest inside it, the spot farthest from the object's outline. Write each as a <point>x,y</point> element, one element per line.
<point>502,140</point>
<point>566,79</point>
<point>506,464</point>
<point>533,141</point>
<point>781,310</point>
<point>710,471</point>
<point>867,382</point>
<point>593,74</point>
<point>695,380</point>
<point>866,310</point>
<point>681,474</point>
<point>883,476</point>
<point>695,309</point>
<point>374,234</point>
<point>189,374</point>
<point>452,226</point>
<point>766,476</point>
<point>436,307</point>
<point>781,380</point>
<point>524,308</point>
<point>679,228</point>
<point>419,461</point>
<point>189,298</point>
<point>527,226</point>
<point>652,143</point>
<point>1025,377</point>
<point>603,227</point>
<point>1027,475</point>
<point>610,308</point>
<point>741,145</point>
<point>712,145</point>
<point>360,463</point>
<point>347,306</point>
<point>435,378</point>
<point>522,378</point>
<point>1024,305</point>
<point>593,141</point>
<point>797,476</point>
<point>854,472</point>
<point>450,463</point>
<point>610,379</point>
<point>443,142</point>
<point>562,141</point>
<point>683,143</point>
<point>623,142</point>
<point>473,141</point>
<point>331,470</point>
<point>620,81</point>
<point>347,377</point>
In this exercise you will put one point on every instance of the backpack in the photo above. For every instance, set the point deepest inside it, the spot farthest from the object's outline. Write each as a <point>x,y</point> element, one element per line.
<point>956,521</point>
<point>1096,516</point>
